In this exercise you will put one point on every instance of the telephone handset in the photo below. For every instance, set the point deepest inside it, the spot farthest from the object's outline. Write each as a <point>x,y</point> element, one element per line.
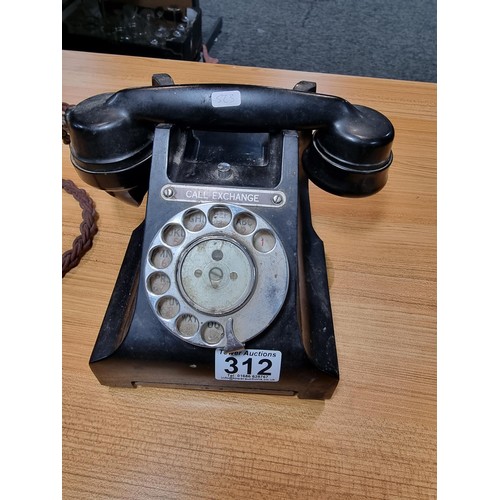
<point>224,284</point>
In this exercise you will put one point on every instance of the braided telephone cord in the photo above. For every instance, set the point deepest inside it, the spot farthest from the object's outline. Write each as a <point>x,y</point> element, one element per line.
<point>88,226</point>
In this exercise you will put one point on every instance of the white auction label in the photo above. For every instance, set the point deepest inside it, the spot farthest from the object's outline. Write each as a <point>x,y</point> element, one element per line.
<point>248,365</point>
<point>226,99</point>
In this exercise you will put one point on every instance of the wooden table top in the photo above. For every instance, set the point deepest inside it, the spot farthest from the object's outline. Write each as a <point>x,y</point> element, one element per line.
<point>376,437</point>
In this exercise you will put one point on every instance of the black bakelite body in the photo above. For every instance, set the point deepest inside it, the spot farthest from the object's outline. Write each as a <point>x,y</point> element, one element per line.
<point>152,137</point>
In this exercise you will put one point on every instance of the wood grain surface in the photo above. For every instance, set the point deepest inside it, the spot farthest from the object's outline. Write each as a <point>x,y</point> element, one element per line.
<point>375,438</point>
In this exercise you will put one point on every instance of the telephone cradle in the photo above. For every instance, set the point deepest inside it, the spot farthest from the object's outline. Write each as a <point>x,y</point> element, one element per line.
<point>224,284</point>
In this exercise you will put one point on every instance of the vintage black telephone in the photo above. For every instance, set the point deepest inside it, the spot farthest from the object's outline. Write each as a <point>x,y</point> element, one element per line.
<point>224,285</point>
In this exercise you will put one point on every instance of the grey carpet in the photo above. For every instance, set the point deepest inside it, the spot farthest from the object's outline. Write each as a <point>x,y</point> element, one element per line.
<point>378,38</point>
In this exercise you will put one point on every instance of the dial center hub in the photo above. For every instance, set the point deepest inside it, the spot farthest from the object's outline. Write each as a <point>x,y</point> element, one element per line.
<point>216,275</point>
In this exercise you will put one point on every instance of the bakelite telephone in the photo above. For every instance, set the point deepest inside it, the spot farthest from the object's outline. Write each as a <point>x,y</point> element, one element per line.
<point>224,285</point>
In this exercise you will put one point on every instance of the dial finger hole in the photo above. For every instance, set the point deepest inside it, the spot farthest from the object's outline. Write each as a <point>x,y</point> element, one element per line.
<point>264,241</point>
<point>187,325</point>
<point>212,333</point>
<point>158,283</point>
<point>245,223</point>
<point>173,235</point>
<point>194,220</point>
<point>160,257</point>
<point>219,216</point>
<point>168,307</point>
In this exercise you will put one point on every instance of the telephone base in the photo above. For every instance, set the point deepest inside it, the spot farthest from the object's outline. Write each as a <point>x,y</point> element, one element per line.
<point>132,350</point>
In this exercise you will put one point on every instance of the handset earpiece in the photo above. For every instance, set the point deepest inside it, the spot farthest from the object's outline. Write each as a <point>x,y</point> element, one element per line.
<point>109,150</point>
<point>352,156</point>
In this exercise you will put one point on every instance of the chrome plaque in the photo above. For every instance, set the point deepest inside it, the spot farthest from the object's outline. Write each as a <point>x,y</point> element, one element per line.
<point>216,194</point>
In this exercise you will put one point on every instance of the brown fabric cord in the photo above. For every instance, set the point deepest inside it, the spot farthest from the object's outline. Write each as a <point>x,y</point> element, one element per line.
<point>88,227</point>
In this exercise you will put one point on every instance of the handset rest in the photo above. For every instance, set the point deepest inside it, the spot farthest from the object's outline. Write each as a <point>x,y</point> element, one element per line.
<point>112,134</point>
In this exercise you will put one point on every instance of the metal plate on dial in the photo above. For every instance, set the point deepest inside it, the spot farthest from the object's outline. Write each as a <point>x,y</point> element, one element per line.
<point>216,275</point>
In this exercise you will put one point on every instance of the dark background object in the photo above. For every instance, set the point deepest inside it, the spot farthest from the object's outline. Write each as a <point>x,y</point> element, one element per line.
<point>377,38</point>
<point>149,28</point>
